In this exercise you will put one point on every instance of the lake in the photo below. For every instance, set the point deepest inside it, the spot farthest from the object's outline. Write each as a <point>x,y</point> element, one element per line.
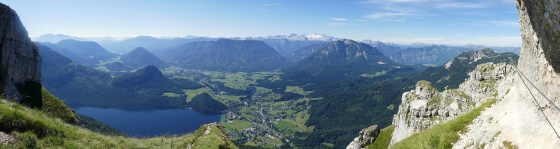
<point>150,123</point>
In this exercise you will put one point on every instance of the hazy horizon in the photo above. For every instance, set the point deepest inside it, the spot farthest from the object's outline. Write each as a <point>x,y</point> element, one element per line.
<point>448,22</point>
<point>121,38</point>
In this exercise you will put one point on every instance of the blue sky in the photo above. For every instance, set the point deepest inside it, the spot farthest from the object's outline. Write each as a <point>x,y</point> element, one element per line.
<point>484,22</point>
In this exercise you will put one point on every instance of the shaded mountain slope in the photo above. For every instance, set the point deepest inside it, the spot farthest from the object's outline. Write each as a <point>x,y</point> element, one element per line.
<point>83,52</point>
<point>347,59</point>
<point>141,57</point>
<point>304,52</point>
<point>225,55</point>
<point>81,85</point>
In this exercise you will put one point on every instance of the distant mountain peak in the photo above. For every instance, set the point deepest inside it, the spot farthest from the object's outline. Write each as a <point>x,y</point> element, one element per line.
<point>312,37</point>
<point>345,58</point>
<point>141,57</point>
<point>348,49</point>
<point>54,38</point>
<point>84,52</point>
<point>143,38</point>
<point>139,49</point>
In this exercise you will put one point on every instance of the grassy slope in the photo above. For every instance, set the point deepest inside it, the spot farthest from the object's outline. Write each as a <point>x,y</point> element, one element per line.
<point>35,128</point>
<point>54,107</point>
<point>383,139</point>
<point>442,135</point>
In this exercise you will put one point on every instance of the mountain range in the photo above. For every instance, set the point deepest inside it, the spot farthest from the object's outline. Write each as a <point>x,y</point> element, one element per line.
<point>87,53</point>
<point>148,42</point>
<point>225,55</point>
<point>434,55</point>
<point>79,85</point>
<point>346,59</point>
<point>285,45</point>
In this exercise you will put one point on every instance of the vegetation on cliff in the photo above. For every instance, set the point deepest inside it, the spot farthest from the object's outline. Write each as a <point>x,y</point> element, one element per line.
<point>445,134</point>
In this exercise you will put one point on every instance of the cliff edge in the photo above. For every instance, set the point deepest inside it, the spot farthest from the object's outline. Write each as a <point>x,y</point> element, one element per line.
<point>20,63</point>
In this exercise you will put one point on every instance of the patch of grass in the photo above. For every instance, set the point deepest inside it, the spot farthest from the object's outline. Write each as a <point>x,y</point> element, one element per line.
<point>510,145</point>
<point>238,125</point>
<point>297,90</point>
<point>310,128</point>
<point>391,107</point>
<point>215,139</point>
<point>262,89</point>
<point>442,135</point>
<point>300,119</point>
<point>328,145</point>
<point>383,139</point>
<point>191,93</point>
<point>285,125</point>
<point>56,108</point>
<point>274,141</point>
<point>275,78</point>
<point>226,98</point>
<point>171,94</point>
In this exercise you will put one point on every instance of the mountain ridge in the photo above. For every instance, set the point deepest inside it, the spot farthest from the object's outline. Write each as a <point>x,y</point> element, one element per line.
<point>88,53</point>
<point>141,57</point>
<point>346,59</point>
<point>225,55</point>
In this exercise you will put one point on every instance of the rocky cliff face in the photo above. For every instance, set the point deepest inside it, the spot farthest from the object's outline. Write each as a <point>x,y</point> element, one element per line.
<point>365,137</point>
<point>425,106</point>
<point>525,118</point>
<point>540,53</point>
<point>20,63</point>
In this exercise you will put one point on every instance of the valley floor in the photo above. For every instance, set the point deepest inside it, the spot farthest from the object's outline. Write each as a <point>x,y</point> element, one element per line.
<point>259,120</point>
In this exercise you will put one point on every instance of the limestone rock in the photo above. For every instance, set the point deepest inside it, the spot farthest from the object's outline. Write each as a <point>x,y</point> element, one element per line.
<point>7,139</point>
<point>424,106</point>
<point>540,52</point>
<point>20,63</point>
<point>366,137</point>
<point>516,119</point>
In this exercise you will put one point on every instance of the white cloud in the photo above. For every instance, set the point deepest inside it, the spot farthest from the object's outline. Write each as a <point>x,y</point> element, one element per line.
<point>451,5</point>
<point>486,23</point>
<point>401,10</point>
<point>389,16</point>
<point>395,1</point>
<point>267,7</point>
<point>463,40</point>
<point>336,24</point>
<point>338,19</point>
<point>505,23</point>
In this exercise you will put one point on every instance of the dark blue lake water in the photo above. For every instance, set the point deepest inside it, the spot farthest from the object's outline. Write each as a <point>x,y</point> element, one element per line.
<point>149,123</point>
